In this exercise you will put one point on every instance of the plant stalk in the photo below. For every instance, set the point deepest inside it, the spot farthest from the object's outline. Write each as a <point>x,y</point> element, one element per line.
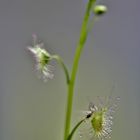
<point>81,43</point>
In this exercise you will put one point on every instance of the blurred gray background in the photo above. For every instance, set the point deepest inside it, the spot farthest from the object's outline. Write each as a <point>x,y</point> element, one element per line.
<point>33,110</point>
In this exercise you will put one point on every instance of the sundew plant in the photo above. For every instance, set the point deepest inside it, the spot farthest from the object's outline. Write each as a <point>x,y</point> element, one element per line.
<point>98,117</point>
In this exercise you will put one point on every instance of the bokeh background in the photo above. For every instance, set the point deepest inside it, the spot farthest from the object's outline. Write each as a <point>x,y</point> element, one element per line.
<point>33,110</point>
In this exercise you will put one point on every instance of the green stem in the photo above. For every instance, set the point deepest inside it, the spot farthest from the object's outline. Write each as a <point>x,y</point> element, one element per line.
<point>82,40</point>
<point>74,129</point>
<point>58,58</point>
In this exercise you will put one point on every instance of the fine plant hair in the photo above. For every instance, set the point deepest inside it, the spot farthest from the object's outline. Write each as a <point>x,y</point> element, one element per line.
<point>98,117</point>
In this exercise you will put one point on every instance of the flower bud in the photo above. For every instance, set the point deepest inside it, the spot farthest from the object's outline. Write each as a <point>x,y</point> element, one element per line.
<point>100,10</point>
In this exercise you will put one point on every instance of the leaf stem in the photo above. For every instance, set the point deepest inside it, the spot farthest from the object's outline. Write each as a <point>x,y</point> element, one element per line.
<point>58,58</point>
<point>74,129</point>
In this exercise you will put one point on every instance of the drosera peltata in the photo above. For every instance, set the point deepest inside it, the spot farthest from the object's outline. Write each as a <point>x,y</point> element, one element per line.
<point>99,117</point>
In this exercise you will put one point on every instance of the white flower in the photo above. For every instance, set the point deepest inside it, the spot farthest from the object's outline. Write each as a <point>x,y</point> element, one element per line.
<point>99,120</point>
<point>42,58</point>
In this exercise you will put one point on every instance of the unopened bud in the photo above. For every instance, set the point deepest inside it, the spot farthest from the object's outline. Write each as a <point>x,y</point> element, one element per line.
<point>100,10</point>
